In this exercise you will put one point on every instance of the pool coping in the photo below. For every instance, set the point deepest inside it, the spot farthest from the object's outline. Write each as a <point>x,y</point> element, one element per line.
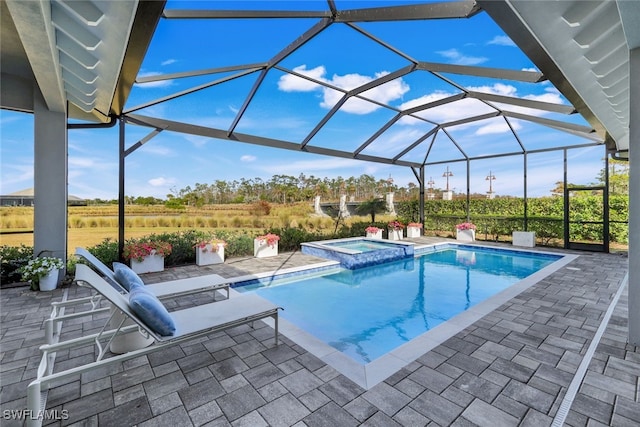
<point>376,371</point>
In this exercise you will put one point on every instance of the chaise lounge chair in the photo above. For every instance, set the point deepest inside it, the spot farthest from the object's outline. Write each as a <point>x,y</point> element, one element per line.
<point>164,289</point>
<point>190,323</point>
<point>172,288</point>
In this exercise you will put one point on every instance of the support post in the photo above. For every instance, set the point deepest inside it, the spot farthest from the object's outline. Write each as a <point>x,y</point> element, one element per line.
<point>634,196</point>
<point>121,195</point>
<point>526,201</point>
<point>565,194</point>
<point>468,188</point>
<point>50,180</point>
<point>421,197</point>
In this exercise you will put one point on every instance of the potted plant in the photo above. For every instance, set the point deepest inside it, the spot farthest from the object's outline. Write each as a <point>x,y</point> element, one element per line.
<point>147,256</point>
<point>466,232</point>
<point>395,230</point>
<point>210,251</point>
<point>265,245</point>
<point>373,232</point>
<point>413,229</point>
<point>42,273</point>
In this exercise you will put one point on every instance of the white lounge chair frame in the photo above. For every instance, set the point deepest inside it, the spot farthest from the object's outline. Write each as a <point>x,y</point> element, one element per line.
<point>164,289</point>
<point>190,323</point>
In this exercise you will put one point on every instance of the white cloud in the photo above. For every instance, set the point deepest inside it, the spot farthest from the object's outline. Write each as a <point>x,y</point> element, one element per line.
<point>168,62</point>
<point>448,112</point>
<point>502,41</point>
<point>308,166</point>
<point>384,93</point>
<point>248,158</point>
<point>196,140</point>
<point>161,181</point>
<point>456,57</point>
<point>81,162</point>
<point>469,107</point>
<point>497,127</point>
<point>291,83</point>
<point>159,150</point>
<point>14,175</point>
<point>157,84</point>
<point>496,89</point>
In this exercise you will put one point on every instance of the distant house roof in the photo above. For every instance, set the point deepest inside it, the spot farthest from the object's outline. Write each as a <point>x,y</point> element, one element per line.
<point>28,192</point>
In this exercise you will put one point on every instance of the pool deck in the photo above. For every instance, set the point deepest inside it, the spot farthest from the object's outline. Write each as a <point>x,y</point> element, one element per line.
<point>512,367</point>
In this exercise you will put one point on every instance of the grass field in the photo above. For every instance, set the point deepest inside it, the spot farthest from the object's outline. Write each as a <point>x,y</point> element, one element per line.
<point>90,225</point>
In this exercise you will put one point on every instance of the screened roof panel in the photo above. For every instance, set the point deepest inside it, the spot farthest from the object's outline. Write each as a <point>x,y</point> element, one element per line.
<point>487,137</point>
<point>582,50</point>
<point>347,131</point>
<point>442,149</point>
<point>402,135</point>
<point>360,56</point>
<point>343,84</point>
<point>456,110</point>
<point>277,108</point>
<point>539,137</point>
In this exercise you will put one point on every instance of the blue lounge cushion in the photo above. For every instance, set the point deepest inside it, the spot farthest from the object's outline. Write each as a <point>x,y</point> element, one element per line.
<point>151,310</point>
<point>126,276</point>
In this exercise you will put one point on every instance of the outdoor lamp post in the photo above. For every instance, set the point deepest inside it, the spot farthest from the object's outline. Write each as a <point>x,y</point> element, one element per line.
<point>448,194</point>
<point>490,178</point>
<point>431,182</point>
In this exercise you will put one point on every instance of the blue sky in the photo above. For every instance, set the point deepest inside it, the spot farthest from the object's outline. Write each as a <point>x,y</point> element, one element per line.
<point>287,107</point>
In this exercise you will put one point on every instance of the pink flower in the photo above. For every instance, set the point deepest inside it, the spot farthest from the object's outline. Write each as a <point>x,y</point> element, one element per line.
<point>139,250</point>
<point>371,229</point>
<point>414,225</point>
<point>466,226</point>
<point>213,242</point>
<point>396,225</point>
<point>270,239</point>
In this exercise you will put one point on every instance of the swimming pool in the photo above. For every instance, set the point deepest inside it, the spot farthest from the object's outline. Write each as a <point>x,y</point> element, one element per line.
<point>372,315</point>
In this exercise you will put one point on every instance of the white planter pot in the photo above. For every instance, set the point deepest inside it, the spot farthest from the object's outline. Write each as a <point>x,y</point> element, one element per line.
<point>395,234</point>
<point>149,264</point>
<point>50,281</point>
<point>262,250</point>
<point>206,255</point>
<point>524,238</point>
<point>376,235</point>
<point>466,235</point>
<point>413,232</point>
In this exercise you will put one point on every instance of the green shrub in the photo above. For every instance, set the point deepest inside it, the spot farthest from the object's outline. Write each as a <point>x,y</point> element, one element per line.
<point>11,259</point>
<point>106,251</point>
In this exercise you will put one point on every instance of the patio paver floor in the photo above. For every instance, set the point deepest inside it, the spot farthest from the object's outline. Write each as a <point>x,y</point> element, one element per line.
<point>510,368</point>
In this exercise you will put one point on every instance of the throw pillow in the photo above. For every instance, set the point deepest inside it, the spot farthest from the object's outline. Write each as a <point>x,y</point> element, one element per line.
<point>151,310</point>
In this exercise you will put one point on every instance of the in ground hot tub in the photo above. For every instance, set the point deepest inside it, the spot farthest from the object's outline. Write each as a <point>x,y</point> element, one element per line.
<point>359,252</point>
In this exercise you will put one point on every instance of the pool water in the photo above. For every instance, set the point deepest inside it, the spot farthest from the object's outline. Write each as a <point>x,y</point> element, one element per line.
<point>362,245</point>
<point>370,311</point>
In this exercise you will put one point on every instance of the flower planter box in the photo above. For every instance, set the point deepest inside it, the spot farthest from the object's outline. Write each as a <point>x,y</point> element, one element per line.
<point>395,234</point>
<point>413,232</point>
<point>466,235</point>
<point>50,281</point>
<point>376,235</point>
<point>149,264</point>
<point>207,256</point>
<point>262,250</point>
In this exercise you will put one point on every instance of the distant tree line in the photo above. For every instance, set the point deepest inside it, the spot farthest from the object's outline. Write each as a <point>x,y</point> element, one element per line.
<point>291,189</point>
